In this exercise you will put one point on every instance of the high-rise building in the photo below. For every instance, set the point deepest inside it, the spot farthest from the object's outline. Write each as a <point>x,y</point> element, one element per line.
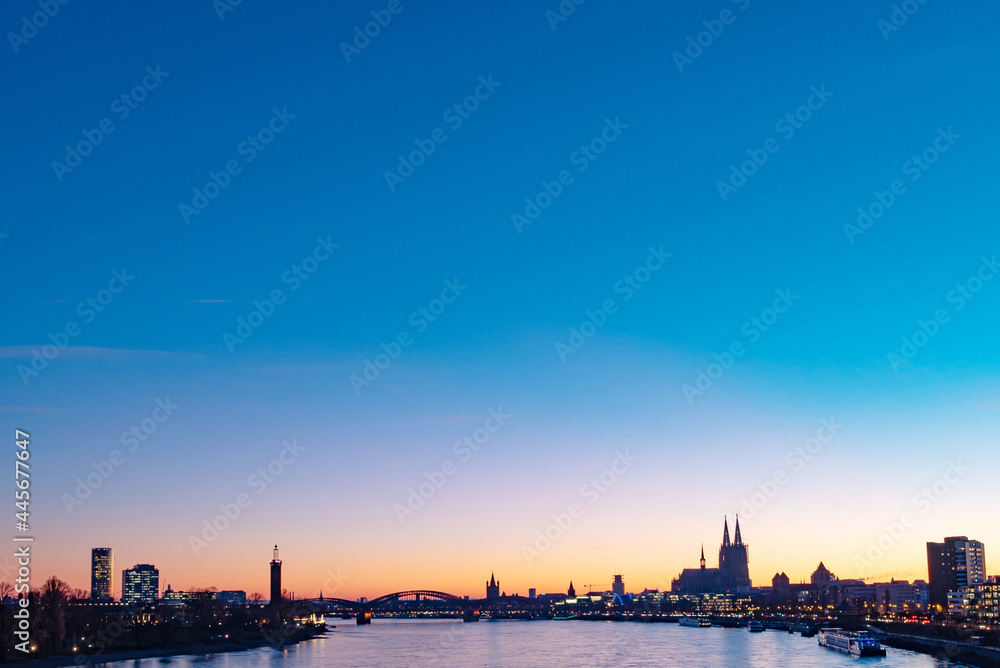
<point>275,578</point>
<point>618,587</point>
<point>532,592</point>
<point>140,584</point>
<point>493,588</point>
<point>954,564</point>
<point>102,574</point>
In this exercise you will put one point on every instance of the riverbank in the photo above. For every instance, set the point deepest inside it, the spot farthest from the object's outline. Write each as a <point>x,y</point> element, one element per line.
<point>940,648</point>
<point>201,650</point>
<point>981,657</point>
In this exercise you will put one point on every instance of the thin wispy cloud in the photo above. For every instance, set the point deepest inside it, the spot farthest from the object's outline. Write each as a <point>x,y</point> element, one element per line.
<point>445,418</point>
<point>86,352</point>
<point>304,367</point>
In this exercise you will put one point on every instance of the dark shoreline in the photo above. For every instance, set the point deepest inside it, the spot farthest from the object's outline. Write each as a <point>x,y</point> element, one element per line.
<point>960,653</point>
<point>188,650</point>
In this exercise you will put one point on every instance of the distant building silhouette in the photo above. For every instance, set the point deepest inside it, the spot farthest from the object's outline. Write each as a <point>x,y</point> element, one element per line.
<point>822,574</point>
<point>733,573</point>
<point>235,597</point>
<point>140,584</point>
<point>954,564</point>
<point>531,592</point>
<point>618,587</point>
<point>571,593</point>
<point>492,588</point>
<point>102,574</point>
<point>175,598</point>
<point>781,586</point>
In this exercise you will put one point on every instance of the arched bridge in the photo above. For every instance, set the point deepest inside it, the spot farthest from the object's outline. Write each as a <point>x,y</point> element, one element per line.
<point>428,600</point>
<point>415,594</point>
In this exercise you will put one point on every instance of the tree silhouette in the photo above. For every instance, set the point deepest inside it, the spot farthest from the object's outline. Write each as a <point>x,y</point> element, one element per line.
<point>53,599</point>
<point>6,619</point>
<point>201,611</point>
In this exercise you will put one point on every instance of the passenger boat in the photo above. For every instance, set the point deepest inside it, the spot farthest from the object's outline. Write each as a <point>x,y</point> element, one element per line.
<point>846,642</point>
<point>697,622</point>
<point>754,626</point>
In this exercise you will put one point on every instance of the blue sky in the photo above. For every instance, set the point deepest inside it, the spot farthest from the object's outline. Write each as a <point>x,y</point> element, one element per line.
<point>323,176</point>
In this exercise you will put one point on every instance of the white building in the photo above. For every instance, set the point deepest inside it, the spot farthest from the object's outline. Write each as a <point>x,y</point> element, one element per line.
<point>900,597</point>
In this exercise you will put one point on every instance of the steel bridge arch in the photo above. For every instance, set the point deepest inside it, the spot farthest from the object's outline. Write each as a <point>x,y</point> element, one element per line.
<point>425,593</point>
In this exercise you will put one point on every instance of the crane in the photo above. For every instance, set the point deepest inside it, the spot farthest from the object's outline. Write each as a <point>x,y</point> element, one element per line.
<point>590,587</point>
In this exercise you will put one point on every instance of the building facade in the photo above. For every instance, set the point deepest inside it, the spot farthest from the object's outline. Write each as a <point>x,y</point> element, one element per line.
<point>175,598</point>
<point>978,602</point>
<point>102,574</point>
<point>140,584</point>
<point>233,597</point>
<point>900,597</point>
<point>954,564</point>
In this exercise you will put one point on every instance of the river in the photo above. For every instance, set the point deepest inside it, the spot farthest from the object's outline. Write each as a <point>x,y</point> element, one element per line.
<point>515,644</point>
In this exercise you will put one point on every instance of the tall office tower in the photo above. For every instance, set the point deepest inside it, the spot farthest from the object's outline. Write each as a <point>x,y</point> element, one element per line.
<point>957,562</point>
<point>619,585</point>
<point>275,578</point>
<point>140,584</point>
<point>102,570</point>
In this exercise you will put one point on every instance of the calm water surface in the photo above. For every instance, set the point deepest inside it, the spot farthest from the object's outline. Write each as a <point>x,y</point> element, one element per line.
<point>510,644</point>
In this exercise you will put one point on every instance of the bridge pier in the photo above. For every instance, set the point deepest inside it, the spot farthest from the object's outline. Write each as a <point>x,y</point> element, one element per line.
<point>364,617</point>
<point>470,615</point>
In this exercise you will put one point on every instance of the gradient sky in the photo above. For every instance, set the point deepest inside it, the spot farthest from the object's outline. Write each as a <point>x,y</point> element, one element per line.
<point>332,509</point>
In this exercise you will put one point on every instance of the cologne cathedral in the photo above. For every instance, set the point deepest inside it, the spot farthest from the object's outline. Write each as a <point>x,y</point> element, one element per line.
<point>732,575</point>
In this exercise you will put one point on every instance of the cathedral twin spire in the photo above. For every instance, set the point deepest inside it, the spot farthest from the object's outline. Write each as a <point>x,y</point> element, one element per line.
<point>737,538</point>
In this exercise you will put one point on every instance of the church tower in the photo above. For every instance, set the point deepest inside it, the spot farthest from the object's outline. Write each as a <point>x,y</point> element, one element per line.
<point>726,547</point>
<point>734,563</point>
<point>492,588</point>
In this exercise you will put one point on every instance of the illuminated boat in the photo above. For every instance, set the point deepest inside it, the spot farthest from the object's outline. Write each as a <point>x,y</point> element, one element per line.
<point>846,642</point>
<point>753,626</point>
<point>696,622</point>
